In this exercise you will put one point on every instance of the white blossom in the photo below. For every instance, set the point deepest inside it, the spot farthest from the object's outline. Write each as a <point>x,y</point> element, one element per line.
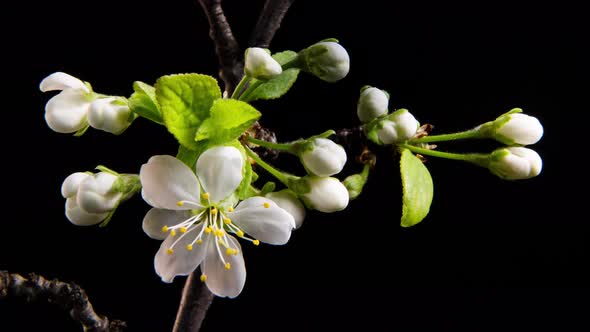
<point>260,65</point>
<point>74,213</point>
<point>515,163</point>
<point>326,194</point>
<point>398,127</point>
<point>327,60</point>
<point>518,128</point>
<point>288,201</point>
<point>323,157</point>
<point>108,115</point>
<point>372,104</point>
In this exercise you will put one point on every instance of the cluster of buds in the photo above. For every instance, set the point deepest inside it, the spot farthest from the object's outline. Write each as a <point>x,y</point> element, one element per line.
<point>77,107</point>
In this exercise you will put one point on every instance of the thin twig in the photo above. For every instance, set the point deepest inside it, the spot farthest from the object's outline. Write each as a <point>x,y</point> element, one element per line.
<point>68,296</point>
<point>195,301</point>
<point>269,22</point>
<point>226,46</point>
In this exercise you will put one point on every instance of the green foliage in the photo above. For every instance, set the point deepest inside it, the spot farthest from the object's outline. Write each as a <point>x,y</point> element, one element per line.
<point>185,101</point>
<point>229,118</point>
<point>143,102</point>
<point>278,86</point>
<point>417,189</point>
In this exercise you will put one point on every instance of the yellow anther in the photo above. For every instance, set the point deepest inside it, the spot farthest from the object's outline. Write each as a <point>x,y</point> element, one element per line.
<point>240,233</point>
<point>266,205</point>
<point>227,221</point>
<point>256,242</point>
<point>203,277</point>
<point>189,247</point>
<point>230,209</point>
<point>165,229</point>
<point>173,232</point>
<point>208,229</point>
<point>183,229</point>
<point>199,241</point>
<point>205,195</point>
<point>227,266</point>
<point>180,203</point>
<point>169,251</point>
<point>214,211</point>
<point>229,251</point>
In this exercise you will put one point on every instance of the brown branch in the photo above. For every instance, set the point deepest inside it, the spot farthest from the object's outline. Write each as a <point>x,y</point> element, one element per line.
<point>226,46</point>
<point>195,301</point>
<point>69,297</point>
<point>269,22</point>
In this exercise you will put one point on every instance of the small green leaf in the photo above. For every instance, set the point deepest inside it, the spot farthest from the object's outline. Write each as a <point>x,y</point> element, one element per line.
<point>417,188</point>
<point>188,157</point>
<point>229,118</point>
<point>185,101</point>
<point>279,85</point>
<point>143,102</point>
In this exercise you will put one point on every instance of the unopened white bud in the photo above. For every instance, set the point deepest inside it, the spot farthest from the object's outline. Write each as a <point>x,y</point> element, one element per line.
<point>518,128</point>
<point>372,104</point>
<point>327,60</point>
<point>515,163</point>
<point>260,65</point>
<point>79,217</point>
<point>288,201</point>
<point>398,127</point>
<point>106,114</point>
<point>326,194</point>
<point>69,187</point>
<point>96,193</point>
<point>323,157</point>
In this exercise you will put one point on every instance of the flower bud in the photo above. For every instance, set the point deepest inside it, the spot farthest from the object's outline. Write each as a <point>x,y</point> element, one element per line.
<point>74,213</point>
<point>515,163</point>
<point>327,60</point>
<point>397,127</point>
<point>323,157</point>
<point>69,187</point>
<point>97,194</point>
<point>106,114</point>
<point>66,112</point>
<point>326,194</point>
<point>515,128</point>
<point>260,65</point>
<point>288,201</point>
<point>372,104</point>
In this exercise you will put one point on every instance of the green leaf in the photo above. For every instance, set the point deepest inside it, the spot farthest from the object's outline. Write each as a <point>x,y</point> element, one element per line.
<point>188,157</point>
<point>417,188</point>
<point>185,101</point>
<point>143,102</point>
<point>229,118</point>
<point>279,85</point>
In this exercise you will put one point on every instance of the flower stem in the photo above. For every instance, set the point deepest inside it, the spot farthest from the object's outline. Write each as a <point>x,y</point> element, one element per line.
<point>270,145</point>
<point>472,133</point>
<point>476,158</point>
<point>241,86</point>
<point>246,95</point>
<point>273,171</point>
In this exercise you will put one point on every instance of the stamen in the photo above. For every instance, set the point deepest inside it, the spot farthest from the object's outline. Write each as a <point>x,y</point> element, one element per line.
<point>230,209</point>
<point>169,251</point>
<point>189,204</point>
<point>227,266</point>
<point>266,205</point>
<point>203,277</point>
<point>183,229</point>
<point>165,229</point>
<point>199,241</point>
<point>214,211</point>
<point>173,233</point>
<point>205,195</point>
<point>189,247</point>
<point>180,203</point>
<point>256,242</point>
<point>229,251</point>
<point>226,221</point>
<point>240,233</point>
<point>208,229</point>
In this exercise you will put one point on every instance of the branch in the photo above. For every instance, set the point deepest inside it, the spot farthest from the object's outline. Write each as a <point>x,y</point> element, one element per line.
<point>69,297</point>
<point>269,22</point>
<point>195,301</point>
<point>227,48</point>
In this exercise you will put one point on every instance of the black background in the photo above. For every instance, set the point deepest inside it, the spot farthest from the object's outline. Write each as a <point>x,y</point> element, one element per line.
<point>492,255</point>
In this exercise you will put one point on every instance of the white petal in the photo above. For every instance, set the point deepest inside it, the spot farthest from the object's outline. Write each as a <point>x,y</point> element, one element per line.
<point>79,217</point>
<point>264,220</point>
<point>181,262</point>
<point>69,188</point>
<point>105,115</point>
<point>95,193</point>
<point>288,201</point>
<point>66,112</point>
<point>220,171</point>
<point>155,219</point>
<point>166,181</point>
<point>62,81</point>
<point>221,281</point>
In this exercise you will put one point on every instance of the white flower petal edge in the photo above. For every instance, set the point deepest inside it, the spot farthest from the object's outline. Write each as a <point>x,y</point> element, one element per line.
<point>156,219</point>
<point>180,262</point>
<point>95,193</point>
<point>70,186</point>
<point>62,81</point>
<point>66,112</point>
<point>224,279</point>
<point>264,220</point>
<point>220,171</point>
<point>288,201</point>
<point>166,181</point>
<point>79,217</point>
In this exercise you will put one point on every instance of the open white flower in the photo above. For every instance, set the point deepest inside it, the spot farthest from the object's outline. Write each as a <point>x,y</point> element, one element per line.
<point>66,112</point>
<point>194,218</point>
